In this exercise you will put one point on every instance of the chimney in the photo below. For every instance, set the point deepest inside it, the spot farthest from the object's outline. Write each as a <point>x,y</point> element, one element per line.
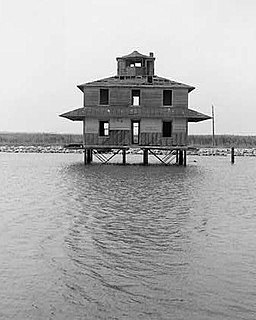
<point>151,54</point>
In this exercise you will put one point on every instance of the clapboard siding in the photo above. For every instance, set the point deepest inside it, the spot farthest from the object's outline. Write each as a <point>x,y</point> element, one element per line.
<point>123,138</point>
<point>91,96</point>
<point>180,98</point>
<point>122,97</point>
<point>179,125</point>
<point>151,97</point>
<point>151,125</point>
<point>115,138</point>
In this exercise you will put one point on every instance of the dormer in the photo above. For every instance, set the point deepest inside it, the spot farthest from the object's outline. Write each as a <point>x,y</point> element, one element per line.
<point>135,64</point>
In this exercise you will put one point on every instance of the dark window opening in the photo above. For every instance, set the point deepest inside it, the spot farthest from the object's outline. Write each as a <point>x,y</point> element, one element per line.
<point>167,97</point>
<point>121,77</point>
<point>103,96</point>
<point>150,79</point>
<point>135,97</point>
<point>104,128</point>
<point>167,129</point>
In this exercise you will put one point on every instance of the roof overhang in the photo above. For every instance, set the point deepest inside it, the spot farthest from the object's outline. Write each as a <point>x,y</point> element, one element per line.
<point>130,112</point>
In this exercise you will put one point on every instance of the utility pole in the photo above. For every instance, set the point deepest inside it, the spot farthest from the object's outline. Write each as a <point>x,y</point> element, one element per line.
<point>213,127</point>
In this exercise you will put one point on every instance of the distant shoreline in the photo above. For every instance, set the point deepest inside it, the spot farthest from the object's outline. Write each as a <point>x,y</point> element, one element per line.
<point>60,149</point>
<point>57,139</point>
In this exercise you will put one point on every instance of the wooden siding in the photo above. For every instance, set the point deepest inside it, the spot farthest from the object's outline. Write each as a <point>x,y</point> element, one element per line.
<point>120,97</point>
<point>149,97</point>
<point>150,139</point>
<point>91,96</point>
<point>151,125</point>
<point>179,125</point>
<point>123,138</point>
<point>116,137</point>
<point>180,97</point>
<point>120,124</point>
<point>91,126</point>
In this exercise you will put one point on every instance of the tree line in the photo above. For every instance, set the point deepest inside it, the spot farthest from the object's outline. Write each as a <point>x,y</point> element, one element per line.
<point>51,139</point>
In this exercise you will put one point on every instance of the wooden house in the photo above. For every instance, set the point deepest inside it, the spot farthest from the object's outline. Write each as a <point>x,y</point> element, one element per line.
<point>135,109</point>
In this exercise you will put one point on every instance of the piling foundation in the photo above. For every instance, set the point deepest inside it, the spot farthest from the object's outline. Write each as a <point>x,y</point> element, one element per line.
<point>145,157</point>
<point>232,155</point>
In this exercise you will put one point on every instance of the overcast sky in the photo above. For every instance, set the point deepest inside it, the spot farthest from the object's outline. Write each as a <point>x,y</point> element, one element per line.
<point>49,46</point>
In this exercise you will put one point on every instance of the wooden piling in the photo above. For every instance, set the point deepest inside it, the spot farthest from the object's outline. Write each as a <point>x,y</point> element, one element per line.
<point>184,158</point>
<point>232,155</point>
<point>180,157</point>
<point>85,156</point>
<point>124,156</point>
<point>145,157</point>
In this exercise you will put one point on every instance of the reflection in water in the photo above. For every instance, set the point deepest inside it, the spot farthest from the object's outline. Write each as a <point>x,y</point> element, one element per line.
<point>133,242</point>
<point>127,236</point>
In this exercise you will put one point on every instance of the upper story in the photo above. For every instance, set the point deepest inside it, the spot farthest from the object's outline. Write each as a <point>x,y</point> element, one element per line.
<point>136,85</point>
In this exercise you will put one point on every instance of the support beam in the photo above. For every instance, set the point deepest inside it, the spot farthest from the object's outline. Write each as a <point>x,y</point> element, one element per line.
<point>177,156</point>
<point>145,157</point>
<point>184,158</point>
<point>124,156</point>
<point>85,156</point>
<point>89,156</point>
<point>232,155</point>
<point>180,157</point>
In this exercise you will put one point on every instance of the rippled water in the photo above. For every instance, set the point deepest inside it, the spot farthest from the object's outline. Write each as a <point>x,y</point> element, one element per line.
<point>133,242</point>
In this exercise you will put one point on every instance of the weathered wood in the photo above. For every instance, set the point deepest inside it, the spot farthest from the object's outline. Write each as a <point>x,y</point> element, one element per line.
<point>184,158</point>
<point>85,156</point>
<point>180,157</point>
<point>232,155</point>
<point>89,156</point>
<point>145,157</point>
<point>124,156</point>
<point>135,72</point>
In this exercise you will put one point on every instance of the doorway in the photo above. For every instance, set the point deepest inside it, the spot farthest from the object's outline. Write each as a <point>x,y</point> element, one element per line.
<point>135,131</point>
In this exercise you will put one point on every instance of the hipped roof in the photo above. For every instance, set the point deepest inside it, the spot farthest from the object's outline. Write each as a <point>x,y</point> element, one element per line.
<point>133,81</point>
<point>135,54</point>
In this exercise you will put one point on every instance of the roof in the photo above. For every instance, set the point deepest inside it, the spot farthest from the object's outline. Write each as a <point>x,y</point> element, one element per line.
<point>129,81</point>
<point>129,112</point>
<point>135,54</point>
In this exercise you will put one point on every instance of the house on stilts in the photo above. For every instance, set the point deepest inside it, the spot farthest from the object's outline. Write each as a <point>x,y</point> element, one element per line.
<point>135,109</point>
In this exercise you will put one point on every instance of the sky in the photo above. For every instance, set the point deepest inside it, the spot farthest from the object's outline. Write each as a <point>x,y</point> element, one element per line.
<point>48,47</point>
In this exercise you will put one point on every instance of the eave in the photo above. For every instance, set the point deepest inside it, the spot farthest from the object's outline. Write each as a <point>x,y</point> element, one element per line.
<point>136,81</point>
<point>107,112</point>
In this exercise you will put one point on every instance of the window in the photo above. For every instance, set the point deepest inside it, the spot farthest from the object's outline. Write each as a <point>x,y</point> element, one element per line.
<point>137,64</point>
<point>103,96</point>
<point>135,97</point>
<point>104,128</point>
<point>167,128</point>
<point>167,97</point>
<point>135,132</point>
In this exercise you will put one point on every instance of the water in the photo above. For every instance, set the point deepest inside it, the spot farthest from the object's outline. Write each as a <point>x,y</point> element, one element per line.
<point>133,242</point>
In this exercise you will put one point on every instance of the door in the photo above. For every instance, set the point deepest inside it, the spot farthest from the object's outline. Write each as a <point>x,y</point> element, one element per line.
<point>135,131</point>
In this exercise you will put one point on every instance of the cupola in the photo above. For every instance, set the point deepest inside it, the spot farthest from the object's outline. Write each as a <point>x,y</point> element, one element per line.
<point>135,64</point>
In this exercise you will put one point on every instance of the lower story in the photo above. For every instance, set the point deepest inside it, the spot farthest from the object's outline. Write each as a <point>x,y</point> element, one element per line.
<point>134,132</point>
